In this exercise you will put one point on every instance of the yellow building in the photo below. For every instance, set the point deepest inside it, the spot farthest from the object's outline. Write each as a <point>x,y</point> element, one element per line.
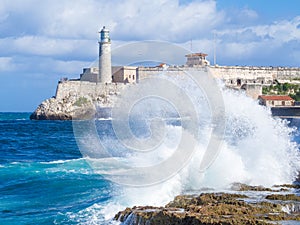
<point>124,74</point>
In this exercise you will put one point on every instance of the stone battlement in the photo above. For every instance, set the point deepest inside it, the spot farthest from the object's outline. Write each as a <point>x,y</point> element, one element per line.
<point>93,91</point>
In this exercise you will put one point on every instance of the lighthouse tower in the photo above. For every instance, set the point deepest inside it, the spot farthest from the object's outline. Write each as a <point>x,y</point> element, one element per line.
<point>104,57</point>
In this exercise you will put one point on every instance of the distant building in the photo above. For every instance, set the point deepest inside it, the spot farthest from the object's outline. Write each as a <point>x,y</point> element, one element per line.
<point>252,90</point>
<point>90,74</point>
<point>124,74</point>
<point>197,59</point>
<point>276,100</point>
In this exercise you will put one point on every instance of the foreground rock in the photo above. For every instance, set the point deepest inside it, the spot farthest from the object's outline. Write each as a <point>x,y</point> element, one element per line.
<point>213,209</point>
<point>78,100</point>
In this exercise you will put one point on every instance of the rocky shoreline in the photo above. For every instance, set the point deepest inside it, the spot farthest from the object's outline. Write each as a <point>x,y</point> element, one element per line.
<point>71,108</point>
<point>280,203</point>
<point>66,109</point>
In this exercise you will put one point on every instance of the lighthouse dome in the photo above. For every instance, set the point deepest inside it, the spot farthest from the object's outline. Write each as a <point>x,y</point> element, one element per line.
<point>104,35</point>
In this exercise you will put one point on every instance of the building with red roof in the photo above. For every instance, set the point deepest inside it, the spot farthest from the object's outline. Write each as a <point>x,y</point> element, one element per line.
<point>276,100</point>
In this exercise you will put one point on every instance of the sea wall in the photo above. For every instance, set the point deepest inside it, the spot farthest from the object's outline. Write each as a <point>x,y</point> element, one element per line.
<point>286,112</point>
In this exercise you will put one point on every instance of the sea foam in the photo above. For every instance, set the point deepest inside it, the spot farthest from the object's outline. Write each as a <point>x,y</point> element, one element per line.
<point>256,149</point>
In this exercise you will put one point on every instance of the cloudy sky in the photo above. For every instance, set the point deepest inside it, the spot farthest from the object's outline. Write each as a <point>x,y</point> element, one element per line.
<point>42,41</point>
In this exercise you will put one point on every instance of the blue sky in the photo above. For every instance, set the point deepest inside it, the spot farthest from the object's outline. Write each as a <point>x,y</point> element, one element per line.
<point>42,41</point>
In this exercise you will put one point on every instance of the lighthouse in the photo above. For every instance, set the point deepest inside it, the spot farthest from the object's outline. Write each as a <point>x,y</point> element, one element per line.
<point>105,57</point>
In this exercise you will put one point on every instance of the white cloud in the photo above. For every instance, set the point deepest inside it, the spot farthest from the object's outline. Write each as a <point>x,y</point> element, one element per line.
<point>6,64</point>
<point>160,19</point>
<point>282,31</point>
<point>249,13</point>
<point>3,14</point>
<point>64,30</point>
<point>44,46</point>
<point>32,67</point>
<point>267,44</point>
<point>167,20</point>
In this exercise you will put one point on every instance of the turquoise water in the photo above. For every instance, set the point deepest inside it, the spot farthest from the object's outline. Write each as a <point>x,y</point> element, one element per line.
<point>43,178</point>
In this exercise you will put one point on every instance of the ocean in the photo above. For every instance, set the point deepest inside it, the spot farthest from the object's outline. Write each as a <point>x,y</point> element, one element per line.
<point>44,178</point>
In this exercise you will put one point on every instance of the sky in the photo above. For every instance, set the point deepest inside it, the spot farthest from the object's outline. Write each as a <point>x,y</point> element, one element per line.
<point>43,41</point>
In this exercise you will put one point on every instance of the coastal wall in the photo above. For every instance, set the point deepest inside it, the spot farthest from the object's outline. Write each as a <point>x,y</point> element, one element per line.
<point>144,72</point>
<point>92,90</point>
<point>78,95</point>
<point>238,75</point>
<point>232,75</point>
<point>245,74</point>
<point>288,112</point>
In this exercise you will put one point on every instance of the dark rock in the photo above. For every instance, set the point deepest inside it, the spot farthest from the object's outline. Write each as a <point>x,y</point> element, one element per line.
<point>289,197</point>
<point>208,209</point>
<point>60,116</point>
<point>295,186</point>
<point>245,187</point>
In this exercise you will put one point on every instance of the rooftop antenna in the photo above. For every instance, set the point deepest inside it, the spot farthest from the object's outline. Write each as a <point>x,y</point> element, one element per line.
<point>215,46</point>
<point>191,45</point>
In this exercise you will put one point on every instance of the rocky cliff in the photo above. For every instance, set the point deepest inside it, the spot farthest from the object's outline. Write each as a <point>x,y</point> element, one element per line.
<point>65,109</point>
<point>77,100</point>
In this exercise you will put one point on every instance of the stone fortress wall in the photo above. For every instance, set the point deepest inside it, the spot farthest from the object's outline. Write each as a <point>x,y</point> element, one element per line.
<point>96,92</point>
<point>233,76</point>
<point>239,75</point>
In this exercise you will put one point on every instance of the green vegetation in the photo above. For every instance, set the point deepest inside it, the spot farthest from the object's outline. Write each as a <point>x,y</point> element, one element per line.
<point>292,90</point>
<point>81,101</point>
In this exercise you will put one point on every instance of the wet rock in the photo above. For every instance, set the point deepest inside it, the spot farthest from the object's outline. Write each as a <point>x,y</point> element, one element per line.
<point>295,186</point>
<point>245,187</point>
<point>209,209</point>
<point>288,197</point>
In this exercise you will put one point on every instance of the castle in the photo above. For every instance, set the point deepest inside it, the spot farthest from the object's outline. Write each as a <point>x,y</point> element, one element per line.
<point>101,85</point>
<point>233,76</point>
